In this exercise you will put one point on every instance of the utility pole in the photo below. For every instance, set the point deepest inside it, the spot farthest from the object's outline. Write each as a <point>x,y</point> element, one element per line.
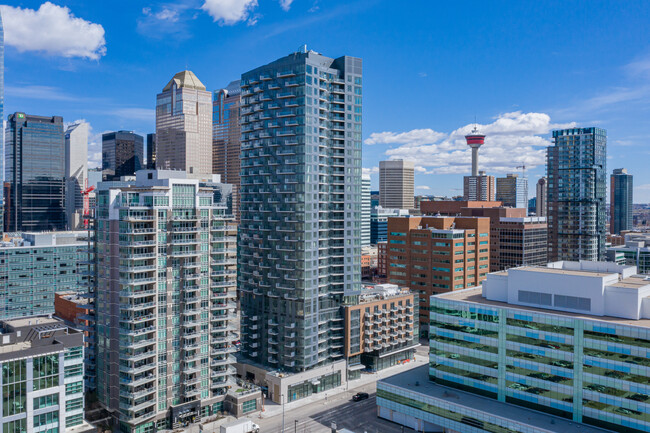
<point>295,426</point>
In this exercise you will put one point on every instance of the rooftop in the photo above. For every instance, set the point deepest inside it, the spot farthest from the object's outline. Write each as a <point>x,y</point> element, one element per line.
<point>185,79</point>
<point>475,296</point>
<point>417,380</point>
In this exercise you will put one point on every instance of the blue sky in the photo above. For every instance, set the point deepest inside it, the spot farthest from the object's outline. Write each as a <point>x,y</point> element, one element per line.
<point>430,68</point>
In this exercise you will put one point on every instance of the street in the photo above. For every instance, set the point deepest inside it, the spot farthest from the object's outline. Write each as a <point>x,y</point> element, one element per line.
<point>317,417</point>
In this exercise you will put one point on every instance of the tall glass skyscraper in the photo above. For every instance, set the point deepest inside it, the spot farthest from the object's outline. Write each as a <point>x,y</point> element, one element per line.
<point>35,172</point>
<point>577,188</point>
<point>226,138</point>
<point>122,154</point>
<point>299,245</point>
<point>621,198</point>
<point>365,210</point>
<point>2,114</point>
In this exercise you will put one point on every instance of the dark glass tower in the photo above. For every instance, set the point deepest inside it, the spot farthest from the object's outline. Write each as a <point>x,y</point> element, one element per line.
<point>35,173</point>
<point>122,154</point>
<point>299,245</point>
<point>621,188</point>
<point>151,151</point>
<point>577,189</point>
<point>2,112</point>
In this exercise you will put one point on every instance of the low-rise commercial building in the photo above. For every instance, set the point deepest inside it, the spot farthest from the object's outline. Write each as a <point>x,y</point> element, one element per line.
<point>570,340</point>
<point>381,329</point>
<point>34,266</point>
<point>42,376</point>
<point>635,252</point>
<point>437,254</point>
<point>78,311</point>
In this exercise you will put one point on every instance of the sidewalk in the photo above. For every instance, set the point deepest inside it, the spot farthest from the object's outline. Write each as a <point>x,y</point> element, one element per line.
<point>274,409</point>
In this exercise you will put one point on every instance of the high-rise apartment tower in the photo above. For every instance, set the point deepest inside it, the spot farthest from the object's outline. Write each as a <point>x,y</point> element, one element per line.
<point>299,243</point>
<point>365,210</point>
<point>396,184</point>
<point>577,188</point>
<point>165,300</point>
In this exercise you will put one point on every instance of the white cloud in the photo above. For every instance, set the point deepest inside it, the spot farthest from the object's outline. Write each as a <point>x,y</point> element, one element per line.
<point>229,12</point>
<point>414,137</point>
<point>40,92</point>
<point>422,74</point>
<point>369,171</point>
<point>643,187</point>
<point>423,187</point>
<point>53,30</point>
<point>513,139</point>
<point>286,4</point>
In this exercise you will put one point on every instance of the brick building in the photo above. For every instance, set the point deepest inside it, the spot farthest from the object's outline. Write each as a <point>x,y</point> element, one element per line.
<point>515,239</point>
<point>437,254</point>
<point>382,329</point>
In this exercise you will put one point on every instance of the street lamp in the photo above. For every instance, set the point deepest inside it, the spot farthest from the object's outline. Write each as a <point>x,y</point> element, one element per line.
<point>282,401</point>
<point>295,426</point>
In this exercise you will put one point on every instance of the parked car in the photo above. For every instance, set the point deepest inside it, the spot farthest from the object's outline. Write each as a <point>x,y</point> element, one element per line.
<point>360,396</point>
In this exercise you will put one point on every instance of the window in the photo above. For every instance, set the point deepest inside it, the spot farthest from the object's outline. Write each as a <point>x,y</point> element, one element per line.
<point>46,418</point>
<point>46,371</point>
<point>73,370</point>
<point>18,426</point>
<point>46,401</point>
<point>74,404</point>
<point>249,406</point>
<point>73,353</point>
<point>74,387</point>
<point>74,420</point>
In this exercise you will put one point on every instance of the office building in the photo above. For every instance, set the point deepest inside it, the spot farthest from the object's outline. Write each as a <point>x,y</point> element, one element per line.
<point>78,311</point>
<point>151,151</point>
<point>365,210</point>
<point>515,239</point>
<point>2,116</point>
<point>569,341</point>
<point>374,199</point>
<point>478,188</point>
<point>379,222</point>
<point>164,302</point>
<point>42,377</point>
<point>577,188</point>
<point>226,137</point>
<point>542,196</point>
<point>437,254</point>
<point>635,251</point>
<point>512,191</point>
<point>396,184</point>
<point>299,243</point>
<point>34,173</point>
<point>122,154</point>
<point>382,259</point>
<point>532,206</point>
<point>76,172</point>
<point>34,266</point>
<point>184,126</point>
<point>380,330</point>
<point>621,200</point>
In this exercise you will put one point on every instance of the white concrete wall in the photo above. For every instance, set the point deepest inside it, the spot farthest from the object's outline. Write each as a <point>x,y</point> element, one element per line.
<point>495,287</point>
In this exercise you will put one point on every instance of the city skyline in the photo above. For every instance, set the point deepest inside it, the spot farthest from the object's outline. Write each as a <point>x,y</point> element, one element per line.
<point>88,80</point>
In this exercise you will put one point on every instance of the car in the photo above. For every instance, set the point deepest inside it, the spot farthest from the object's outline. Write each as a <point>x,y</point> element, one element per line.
<point>360,396</point>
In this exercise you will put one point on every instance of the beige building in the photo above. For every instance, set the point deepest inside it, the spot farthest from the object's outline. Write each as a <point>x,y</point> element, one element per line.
<point>184,126</point>
<point>396,184</point>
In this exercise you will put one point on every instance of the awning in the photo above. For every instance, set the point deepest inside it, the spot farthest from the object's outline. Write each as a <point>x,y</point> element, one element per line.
<point>356,367</point>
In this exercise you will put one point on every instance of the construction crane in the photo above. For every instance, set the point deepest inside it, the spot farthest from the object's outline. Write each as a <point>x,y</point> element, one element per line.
<point>86,208</point>
<point>523,170</point>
